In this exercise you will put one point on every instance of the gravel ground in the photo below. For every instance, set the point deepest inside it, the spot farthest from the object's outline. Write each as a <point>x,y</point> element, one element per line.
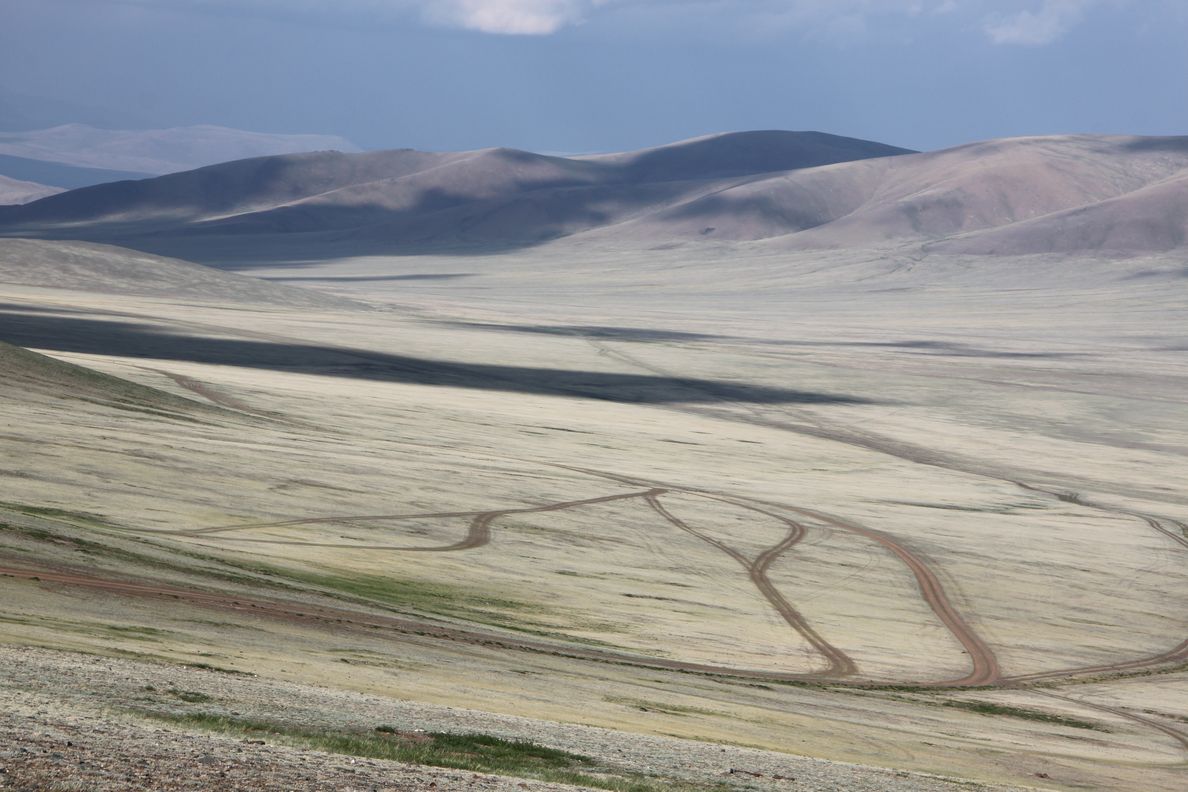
<point>64,725</point>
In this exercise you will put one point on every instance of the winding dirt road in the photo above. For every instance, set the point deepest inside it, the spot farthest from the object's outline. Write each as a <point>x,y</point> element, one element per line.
<point>478,534</point>
<point>984,666</point>
<point>839,664</point>
<point>985,670</point>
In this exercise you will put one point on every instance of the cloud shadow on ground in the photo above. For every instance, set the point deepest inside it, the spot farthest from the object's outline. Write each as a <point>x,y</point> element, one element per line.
<point>126,339</point>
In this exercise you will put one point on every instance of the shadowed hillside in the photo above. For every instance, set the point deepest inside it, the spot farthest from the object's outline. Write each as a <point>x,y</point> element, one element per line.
<point>156,151</point>
<point>26,372</point>
<point>391,200</point>
<point>796,190</point>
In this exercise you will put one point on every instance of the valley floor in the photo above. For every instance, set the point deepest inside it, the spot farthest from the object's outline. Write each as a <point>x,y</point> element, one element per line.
<point>924,515</point>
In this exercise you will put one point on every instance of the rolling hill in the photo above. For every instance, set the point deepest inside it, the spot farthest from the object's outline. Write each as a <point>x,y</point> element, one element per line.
<point>790,190</point>
<point>156,151</point>
<point>16,191</point>
<point>394,199</point>
<point>57,174</point>
<point>103,269</point>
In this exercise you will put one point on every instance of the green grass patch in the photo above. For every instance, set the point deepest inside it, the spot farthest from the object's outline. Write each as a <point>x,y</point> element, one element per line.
<point>110,550</point>
<point>135,632</point>
<point>190,696</point>
<point>217,669</point>
<point>478,753</point>
<point>92,629</point>
<point>32,369</point>
<point>990,708</point>
<point>52,513</point>
<point>425,597</point>
<point>644,705</point>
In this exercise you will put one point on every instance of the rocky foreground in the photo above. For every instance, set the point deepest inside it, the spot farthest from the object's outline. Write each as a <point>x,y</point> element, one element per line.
<point>80,722</point>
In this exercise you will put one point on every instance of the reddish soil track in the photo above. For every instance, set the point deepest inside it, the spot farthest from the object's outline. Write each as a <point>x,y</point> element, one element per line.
<point>984,665</point>
<point>840,665</point>
<point>212,395</point>
<point>478,534</point>
<point>985,670</point>
<point>1155,522</point>
<point>302,612</point>
<point>1177,735</point>
<point>1178,538</point>
<point>1177,654</point>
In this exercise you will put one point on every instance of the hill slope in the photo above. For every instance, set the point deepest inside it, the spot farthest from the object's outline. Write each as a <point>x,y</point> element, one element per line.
<point>923,197</point>
<point>104,269</point>
<point>795,190</point>
<point>156,151</point>
<point>57,174</point>
<point>393,199</point>
<point>15,191</point>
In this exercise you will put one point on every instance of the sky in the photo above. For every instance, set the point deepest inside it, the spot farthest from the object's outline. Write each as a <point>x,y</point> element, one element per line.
<point>575,76</point>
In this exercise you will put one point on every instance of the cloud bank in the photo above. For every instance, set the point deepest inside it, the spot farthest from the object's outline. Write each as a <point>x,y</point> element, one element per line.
<point>1017,22</point>
<point>516,17</point>
<point>1049,22</point>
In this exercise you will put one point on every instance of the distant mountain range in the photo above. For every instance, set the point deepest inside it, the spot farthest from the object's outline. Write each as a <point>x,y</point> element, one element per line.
<point>779,190</point>
<point>15,191</point>
<point>77,155</point>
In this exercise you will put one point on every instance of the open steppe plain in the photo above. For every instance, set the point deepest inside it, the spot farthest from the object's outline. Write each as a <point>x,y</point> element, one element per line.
<point>883,509</point>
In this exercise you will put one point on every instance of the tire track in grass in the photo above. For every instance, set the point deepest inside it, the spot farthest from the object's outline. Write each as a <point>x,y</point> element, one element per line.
<point>478,533</point>
<point>839,664</point>
<point>1177,735</point>
<point>984,664</point>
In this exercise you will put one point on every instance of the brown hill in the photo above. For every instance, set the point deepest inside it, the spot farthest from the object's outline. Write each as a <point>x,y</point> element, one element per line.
<point>794,190</point>
<point>1002,184</point>
<point>393,199</point>
<point>1154,218</point>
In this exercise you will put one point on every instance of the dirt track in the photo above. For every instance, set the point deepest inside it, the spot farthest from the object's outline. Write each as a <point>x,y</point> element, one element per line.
<point>840,665</point>
<point>984,667</point>
<point>478,534</point>
<point>1175,734</point>
<point>305,612</point>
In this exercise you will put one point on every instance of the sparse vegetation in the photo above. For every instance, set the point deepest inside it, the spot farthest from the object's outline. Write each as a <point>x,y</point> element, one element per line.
<point>440,599</point>
<point>664,708</point>
<point>990,708</point>
<point>218,669</point>
<point>191,696</point>
<point>110,548</point>
<point>480,753</point>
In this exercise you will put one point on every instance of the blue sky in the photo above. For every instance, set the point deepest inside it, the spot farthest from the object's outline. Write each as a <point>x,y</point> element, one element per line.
<point>597,75</point>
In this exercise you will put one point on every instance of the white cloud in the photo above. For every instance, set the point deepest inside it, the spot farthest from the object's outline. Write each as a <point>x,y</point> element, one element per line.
<point>1039,22</point>
<point>834,19</point>
<point>521,17</point>
<point>1041,26</point>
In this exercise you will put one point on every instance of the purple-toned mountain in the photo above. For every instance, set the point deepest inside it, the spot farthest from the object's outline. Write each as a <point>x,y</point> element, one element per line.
<point>796,190</point>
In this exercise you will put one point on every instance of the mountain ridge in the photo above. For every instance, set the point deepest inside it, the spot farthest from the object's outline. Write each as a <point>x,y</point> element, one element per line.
<point>786,190</point>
